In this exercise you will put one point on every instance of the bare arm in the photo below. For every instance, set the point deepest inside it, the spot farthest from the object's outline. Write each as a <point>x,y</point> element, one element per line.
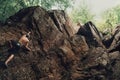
<point>27,47</point>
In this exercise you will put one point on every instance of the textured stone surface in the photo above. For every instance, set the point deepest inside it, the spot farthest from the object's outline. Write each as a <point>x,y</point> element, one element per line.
<point>57,52</point>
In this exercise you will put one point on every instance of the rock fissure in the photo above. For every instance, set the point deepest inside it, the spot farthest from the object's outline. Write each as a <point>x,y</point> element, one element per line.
<point>57,52</point>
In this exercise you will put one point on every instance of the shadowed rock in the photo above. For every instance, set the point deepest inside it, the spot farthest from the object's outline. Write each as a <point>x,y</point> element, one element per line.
<point>57,52</point>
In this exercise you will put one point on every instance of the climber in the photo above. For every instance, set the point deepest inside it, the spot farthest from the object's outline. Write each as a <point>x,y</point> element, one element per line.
<point>16,45</point>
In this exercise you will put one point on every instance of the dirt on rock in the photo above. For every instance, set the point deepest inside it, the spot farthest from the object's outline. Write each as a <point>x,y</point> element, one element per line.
<point>57,52</point>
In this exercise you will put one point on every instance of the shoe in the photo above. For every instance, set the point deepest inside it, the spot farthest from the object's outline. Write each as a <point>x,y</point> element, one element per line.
<point>3,65</point>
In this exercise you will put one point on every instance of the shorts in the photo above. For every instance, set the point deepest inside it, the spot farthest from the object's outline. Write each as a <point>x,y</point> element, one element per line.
<point>15,47</point>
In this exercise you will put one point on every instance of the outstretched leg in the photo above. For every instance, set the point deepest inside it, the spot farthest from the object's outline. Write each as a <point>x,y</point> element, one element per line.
<point>9,59</point>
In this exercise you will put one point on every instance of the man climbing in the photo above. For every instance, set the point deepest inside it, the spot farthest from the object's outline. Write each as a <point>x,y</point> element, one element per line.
<point>16,45</point>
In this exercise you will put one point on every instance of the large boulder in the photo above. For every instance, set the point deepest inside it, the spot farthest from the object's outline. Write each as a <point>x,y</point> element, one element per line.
<point>51,45</point>
<point>57,52</point>
<point>91,33</point>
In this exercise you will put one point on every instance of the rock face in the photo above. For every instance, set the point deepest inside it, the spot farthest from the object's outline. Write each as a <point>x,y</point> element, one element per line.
<point>57,52</point>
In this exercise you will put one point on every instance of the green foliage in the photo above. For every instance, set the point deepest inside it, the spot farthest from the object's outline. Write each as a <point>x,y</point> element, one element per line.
<point>9,7</point>
<point>102,26</point>
<point>60,4</point>
<point>117,11</point>
<point>82,14</point>
<point>110,18</point>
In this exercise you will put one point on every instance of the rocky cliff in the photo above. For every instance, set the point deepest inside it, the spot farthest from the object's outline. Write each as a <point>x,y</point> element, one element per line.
<point>57,52</point>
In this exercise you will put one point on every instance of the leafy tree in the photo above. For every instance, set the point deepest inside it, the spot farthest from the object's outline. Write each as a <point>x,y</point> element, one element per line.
<point>61,4</point>
<point>9,7</point>
<point>110,17</point>
<point>82,14</point>
<point>117,11</point>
